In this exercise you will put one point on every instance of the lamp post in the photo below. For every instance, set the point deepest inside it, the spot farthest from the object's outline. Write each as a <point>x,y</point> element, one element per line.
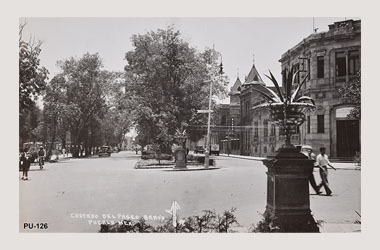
<point>207,151</point>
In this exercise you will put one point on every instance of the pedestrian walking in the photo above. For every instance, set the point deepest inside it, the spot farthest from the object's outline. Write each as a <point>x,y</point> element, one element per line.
<point>25,161</point>
<point>311,177</point>
<point>41,157</point>
<point>322,163</point>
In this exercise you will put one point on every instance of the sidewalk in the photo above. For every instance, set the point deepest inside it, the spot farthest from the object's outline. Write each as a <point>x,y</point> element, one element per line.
<point>337,165</point>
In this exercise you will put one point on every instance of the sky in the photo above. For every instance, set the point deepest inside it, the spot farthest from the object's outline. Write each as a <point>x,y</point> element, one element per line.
<point>241,41</point>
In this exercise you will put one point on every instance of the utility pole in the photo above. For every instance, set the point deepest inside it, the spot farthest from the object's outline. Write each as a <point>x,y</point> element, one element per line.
<point>207,151</point>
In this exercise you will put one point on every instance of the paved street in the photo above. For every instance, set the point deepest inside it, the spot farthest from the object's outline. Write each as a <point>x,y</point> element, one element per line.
<point>65,192</point>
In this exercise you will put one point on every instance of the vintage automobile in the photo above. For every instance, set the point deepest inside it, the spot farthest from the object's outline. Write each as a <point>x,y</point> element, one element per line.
<point>115,150</point>
<point>199,150</point>
<point>105,151</point>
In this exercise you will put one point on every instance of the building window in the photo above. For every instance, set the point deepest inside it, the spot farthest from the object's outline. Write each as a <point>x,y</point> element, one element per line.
<point>320,67</point>
<point>321,124</point>
<point>340,63</point>
<point>353,62</point>
<point>297,77</point>
<point>256,132</point>
<point>308,70</point>
<point>284,76</point>
<point>265,149</point>
<point>247,105</point>
<point>308,124</point>
<point>265,127</point>
<point>273,130</point>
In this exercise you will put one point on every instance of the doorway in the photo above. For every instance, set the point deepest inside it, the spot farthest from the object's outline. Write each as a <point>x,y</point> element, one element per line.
<point>348,141</point>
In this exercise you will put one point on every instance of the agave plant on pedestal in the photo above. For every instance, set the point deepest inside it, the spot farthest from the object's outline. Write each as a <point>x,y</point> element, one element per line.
<point>286,107</point>
<point>180,136</point>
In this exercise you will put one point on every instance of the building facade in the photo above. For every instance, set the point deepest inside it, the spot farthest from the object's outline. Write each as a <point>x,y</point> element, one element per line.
<point>331,59</point>
<point>227,127</point>
<point>327,60</point>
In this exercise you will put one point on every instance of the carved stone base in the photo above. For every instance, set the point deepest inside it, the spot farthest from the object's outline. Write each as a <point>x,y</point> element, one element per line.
<point>180,158</point>
<point>288,203</point>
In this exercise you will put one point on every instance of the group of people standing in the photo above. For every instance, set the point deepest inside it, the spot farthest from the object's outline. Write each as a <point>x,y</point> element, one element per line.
<point>322,162</point>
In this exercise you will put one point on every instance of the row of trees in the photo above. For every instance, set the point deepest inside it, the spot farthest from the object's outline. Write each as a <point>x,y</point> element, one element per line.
<point>164,83</point>
<point>83,100</point>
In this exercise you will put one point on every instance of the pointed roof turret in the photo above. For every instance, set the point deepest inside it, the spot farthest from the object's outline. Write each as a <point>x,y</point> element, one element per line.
<point>253,77</point>
<point>236,88</point>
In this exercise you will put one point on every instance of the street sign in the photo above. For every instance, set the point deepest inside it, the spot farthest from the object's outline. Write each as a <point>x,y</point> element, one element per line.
<point>204,111</point>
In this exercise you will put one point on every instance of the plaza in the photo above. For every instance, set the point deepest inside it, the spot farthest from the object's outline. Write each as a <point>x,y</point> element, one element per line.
<point>74,195</point>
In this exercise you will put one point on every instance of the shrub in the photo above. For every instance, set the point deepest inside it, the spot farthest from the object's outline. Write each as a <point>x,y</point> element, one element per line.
<point>165,157</point>
<point>157,157</point>
<point>273,224</point>
<point>148,157</point>
<point>209,221</point>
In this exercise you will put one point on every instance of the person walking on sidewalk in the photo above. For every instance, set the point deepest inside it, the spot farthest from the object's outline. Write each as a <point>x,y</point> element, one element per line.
<point>311,177</point>
<point>25,161</point>
<point>41,156</point>
<point>322,163</point>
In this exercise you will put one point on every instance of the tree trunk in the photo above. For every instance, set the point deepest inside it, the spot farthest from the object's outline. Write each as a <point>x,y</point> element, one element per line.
<point>51,145</point>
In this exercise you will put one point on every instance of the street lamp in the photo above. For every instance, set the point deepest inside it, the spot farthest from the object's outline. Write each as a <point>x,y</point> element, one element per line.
<point>207,151</point>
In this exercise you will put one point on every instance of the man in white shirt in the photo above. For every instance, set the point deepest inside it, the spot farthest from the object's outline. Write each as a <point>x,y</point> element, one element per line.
<point>323,162</point>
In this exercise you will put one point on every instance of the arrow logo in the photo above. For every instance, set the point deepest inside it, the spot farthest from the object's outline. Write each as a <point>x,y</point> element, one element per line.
<point>173,211</point>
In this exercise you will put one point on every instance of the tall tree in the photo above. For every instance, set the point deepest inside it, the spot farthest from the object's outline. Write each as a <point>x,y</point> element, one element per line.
<point>167,82</point>
<point>32,76</point>
<point>32,82</point>
<point>351,93</point>
<point>85,100</point>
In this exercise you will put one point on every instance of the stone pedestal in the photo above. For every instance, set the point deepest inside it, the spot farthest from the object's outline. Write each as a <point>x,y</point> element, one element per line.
<point>288,203</point>
<point>180,158</point>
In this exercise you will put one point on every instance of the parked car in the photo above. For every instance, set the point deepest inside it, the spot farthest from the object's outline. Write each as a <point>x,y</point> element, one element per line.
<point>104,151</point>
<point>199,149</point>
<point>115,150</point>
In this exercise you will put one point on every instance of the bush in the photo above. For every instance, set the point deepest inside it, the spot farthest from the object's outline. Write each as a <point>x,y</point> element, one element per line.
<point>209,221</point>
<point>148,157</point>
<point>273,224</point>
<point>165,157</point>
<point>157,157</point>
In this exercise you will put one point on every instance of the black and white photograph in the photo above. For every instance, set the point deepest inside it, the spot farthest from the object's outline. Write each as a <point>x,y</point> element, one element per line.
<point>189,124</point>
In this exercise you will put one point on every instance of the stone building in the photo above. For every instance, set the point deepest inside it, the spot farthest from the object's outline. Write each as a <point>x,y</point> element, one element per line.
<point>258,136</point>
<point>328,60</point>
<point>332,58</point>
<point>227,129</point>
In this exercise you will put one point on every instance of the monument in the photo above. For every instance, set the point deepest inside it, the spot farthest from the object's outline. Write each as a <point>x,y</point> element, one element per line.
<point>180,152</point>
<point>288,203</point>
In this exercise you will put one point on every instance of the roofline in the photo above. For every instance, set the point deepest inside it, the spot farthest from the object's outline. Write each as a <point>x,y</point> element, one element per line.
<point>310,38</point>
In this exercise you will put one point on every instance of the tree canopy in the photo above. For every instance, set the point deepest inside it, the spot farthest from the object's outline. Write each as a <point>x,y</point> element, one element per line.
<point>167,81</point>
<point>351,93</point>
<point>87,101</point>
<point>32,82</point>
<point>32,76</point>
